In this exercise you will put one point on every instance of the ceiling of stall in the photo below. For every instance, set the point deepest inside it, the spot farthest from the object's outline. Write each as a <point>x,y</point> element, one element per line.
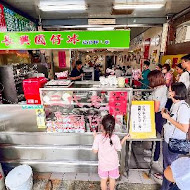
<point>139,18</point>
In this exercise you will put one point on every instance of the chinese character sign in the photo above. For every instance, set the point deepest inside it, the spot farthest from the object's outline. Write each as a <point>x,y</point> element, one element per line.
<point>62,59</point>
<point>142,120</point>
<point>64,40</point>
<point>118,103</point>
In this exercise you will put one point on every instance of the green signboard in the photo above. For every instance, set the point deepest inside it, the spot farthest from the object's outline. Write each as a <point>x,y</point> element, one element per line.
<point>64,40</point>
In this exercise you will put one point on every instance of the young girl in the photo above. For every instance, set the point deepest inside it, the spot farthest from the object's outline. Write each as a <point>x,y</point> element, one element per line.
<point>106,145</point>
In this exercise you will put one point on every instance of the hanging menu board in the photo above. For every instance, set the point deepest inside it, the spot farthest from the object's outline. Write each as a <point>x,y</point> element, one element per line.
<point>142,120</point>
<point>16,22</point>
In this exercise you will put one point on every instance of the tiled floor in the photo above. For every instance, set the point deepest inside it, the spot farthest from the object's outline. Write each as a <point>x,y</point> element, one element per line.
<point>80,181</point>
<point>72,181</point>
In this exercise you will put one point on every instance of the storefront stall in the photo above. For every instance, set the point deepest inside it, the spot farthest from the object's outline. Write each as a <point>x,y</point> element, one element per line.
<point>56,135</point>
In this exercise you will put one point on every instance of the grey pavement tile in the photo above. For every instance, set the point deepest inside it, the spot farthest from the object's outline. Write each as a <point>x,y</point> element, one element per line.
<point>69,176</point>
<point>56,176</point>
<point>124,179</point>
<point>82,177</point>
<point>94,177</point>
<point>134,177</point>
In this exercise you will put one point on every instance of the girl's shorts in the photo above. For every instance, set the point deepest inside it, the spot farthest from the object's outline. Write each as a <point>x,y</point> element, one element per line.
<point>113,174</point>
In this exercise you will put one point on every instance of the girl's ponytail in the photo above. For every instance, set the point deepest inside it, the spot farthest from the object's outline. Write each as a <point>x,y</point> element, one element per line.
<point>111,143</point>
<point>108,123</point>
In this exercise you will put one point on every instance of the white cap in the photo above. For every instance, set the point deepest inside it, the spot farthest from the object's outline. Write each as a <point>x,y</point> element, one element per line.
<point>181,172</point>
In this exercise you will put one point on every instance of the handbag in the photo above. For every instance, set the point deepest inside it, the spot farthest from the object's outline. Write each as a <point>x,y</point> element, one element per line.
<point>173,186</point>
<point>179,146</point>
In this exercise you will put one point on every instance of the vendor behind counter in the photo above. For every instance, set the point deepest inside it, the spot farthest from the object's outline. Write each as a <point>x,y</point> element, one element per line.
<point>77,72</point>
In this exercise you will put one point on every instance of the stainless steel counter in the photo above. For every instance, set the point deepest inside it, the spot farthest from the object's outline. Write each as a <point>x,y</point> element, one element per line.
<point>21,142</point>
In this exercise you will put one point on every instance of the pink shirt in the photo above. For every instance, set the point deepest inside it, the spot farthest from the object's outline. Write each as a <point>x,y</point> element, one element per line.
<point>169,76</point>
<point>107,154</point>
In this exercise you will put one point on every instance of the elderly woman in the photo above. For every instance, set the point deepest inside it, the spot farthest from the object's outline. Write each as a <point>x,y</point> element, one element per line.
<point>177,124</point>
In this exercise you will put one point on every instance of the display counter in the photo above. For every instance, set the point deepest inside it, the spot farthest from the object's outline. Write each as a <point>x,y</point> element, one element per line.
<point>81,107</point>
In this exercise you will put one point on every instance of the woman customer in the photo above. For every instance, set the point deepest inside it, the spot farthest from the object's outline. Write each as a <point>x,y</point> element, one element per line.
<point>179,69</point>
<point>159,96</point>
<point>159,67</point>
<point>129,71</point>
<point>169,80</point>
<point>118,71</point>
<point>177,124</point>
<point>183,75</point>
<point>167,74</point>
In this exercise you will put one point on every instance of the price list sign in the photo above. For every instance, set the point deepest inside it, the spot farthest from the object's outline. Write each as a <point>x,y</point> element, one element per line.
<point>142,120</point>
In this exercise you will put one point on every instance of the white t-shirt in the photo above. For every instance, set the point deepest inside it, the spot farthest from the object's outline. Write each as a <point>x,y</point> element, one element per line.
<point>118,73</point>
<point>180,112</point>
<point>160,94</point>
<point>181,172</point>
<point>184,78</point>
<point>129,71</point>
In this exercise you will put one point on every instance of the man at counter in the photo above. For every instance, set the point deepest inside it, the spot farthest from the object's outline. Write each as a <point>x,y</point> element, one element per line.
<point>77,72</point>
<point>144,78</point>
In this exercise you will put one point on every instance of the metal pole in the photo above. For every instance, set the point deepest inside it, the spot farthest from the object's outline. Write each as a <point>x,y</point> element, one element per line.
<point>53,65</point>
<point>129,157</point>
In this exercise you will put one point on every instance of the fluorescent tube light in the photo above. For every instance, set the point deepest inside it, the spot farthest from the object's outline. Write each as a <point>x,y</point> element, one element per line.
<point>62,7</point>
<point>101,29</point>
<point>138,6</point>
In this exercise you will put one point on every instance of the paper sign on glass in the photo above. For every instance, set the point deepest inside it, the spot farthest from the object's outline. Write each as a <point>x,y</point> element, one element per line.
<point>40,118</point>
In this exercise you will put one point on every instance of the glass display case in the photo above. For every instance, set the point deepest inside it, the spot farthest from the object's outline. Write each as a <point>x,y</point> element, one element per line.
<point>81,107</point>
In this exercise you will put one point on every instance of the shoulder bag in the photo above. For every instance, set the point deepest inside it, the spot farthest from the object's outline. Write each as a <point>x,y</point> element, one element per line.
<point>180,146</point>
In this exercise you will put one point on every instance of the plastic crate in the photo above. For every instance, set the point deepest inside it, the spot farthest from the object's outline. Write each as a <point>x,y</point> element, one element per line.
<point>31,88</point>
